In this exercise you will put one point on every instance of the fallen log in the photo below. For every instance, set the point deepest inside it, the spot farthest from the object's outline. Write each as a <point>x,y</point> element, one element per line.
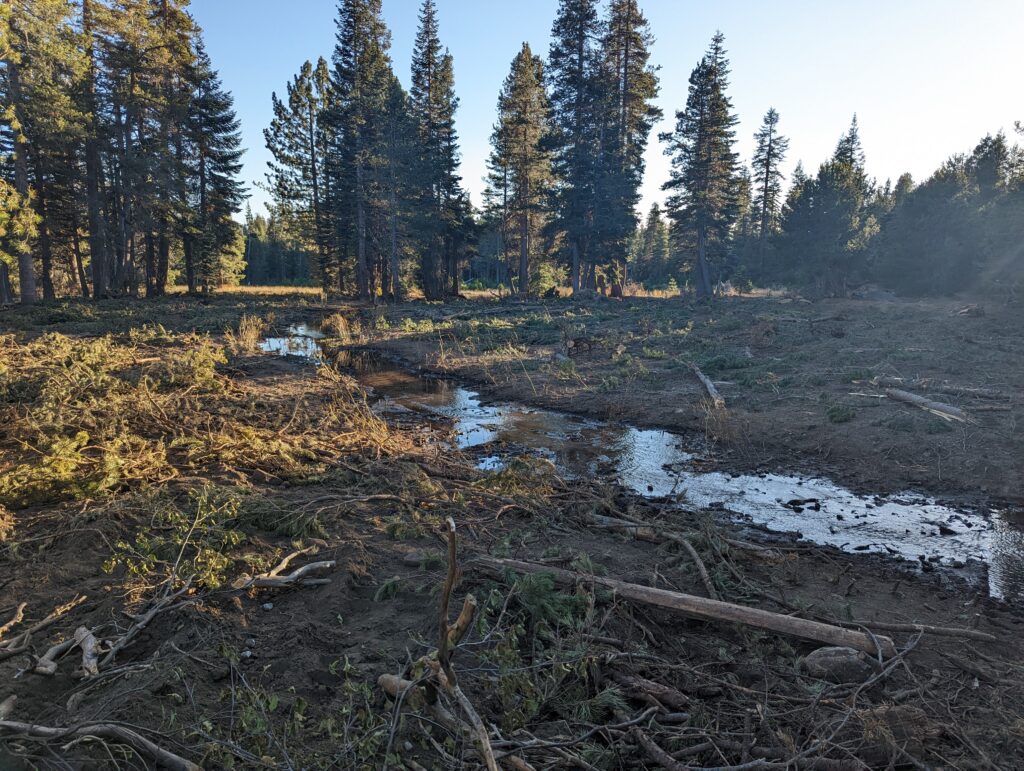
<point>716,398</point>
<point>925,384</point>
<point>298,576</point>
<point>704,608</point>
<point>944,411</point>
<point>108,731</point>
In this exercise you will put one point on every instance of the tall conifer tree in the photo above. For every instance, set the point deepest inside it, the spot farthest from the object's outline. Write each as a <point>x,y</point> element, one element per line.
<point>769,153</point>
<point>703,179</point>
<point>520,162</point>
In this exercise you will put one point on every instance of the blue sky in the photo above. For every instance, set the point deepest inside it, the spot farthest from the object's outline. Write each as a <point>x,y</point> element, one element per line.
<point>927,78</point>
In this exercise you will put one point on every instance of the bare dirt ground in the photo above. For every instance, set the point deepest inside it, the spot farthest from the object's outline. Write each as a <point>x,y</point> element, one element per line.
<point>148,468</point>
<point>796,378</point>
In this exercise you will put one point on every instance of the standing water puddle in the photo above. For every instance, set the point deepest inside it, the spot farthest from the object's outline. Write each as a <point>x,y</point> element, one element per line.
<point>654,463</point>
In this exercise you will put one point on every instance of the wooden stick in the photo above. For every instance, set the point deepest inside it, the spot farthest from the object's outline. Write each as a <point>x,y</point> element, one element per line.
<point>704,608</point>
<point>287,560</point>
<point>716,398</point>
<point>20,642</point>
<point>47,665</point>
<point>944,411</point>
<point>709,587</point>
<point>19,614</point>
<point>297,576</point>
<point>116,733</point>
<point>7,706</point>
<point>939,631</point>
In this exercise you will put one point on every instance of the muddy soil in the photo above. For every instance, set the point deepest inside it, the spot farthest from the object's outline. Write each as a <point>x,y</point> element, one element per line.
<point>795,376</point>
<point>287,678</point>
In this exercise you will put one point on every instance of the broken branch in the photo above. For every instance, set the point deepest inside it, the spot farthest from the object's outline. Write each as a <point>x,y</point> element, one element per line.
<point>116,733</point>
<point>716,398</point>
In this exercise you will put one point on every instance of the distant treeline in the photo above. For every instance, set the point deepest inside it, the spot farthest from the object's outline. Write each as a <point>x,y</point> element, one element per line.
<point>366,178</point>
<point>120,155</point>
<point>839,229</point>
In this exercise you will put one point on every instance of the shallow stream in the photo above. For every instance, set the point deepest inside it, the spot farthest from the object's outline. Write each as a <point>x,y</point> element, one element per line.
<point>661,464</point>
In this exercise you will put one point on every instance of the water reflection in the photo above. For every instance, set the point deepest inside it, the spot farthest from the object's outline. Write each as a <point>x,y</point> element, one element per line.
<point>654,463</point>
<point>301,340</point>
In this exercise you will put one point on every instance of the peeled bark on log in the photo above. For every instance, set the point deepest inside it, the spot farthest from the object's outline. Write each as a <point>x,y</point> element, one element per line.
<point>944,411</point>
<point>116,733</point>
<point>86,640</point>
<point>296,576</point>
<point>716,398</point>
<point>706,609</point>
<point>272,579</point>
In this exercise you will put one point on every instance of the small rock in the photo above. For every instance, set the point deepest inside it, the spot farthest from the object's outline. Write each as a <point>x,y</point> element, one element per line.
<point>246,655</point>
<point>250,643</point>
<point>267,606</point>
<point>838,665</point>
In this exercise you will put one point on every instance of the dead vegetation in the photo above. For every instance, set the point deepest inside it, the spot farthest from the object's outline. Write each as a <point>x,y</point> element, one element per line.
<point>214,561</point>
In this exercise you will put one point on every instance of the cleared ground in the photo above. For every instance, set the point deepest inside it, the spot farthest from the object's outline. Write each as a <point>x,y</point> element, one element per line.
<point>796,378</point>
<point>147,467</point>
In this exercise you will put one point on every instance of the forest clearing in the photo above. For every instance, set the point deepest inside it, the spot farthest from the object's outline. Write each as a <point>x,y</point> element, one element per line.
<point>240,558</point>
<point>613,385</point>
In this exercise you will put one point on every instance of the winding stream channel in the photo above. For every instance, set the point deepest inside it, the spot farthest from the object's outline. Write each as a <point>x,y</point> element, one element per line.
<point>658,463</point>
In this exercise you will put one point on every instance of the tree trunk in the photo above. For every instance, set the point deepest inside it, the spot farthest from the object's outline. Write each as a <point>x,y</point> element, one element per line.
<point>163,258</point>
<point>6,292</point>
<point>45,243</point>
<point>97,236</point>
<point>76,249</point>
<point>703,275</point>
<point>150,266</point>
<point>26,270</point>
<point>362,272</point>
<point>190,262</point>
<point>524,254</point>
<point>574,271</point>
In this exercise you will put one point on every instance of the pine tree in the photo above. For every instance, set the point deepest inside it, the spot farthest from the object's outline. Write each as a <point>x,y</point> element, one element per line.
<point>769,155</point>
<point>402,156</point>
<point>211,236</point>
<point>629,87</point>
<point>829,223</point>
<point>299,137</point>
<point>703,177</point>
<point>573,72</point>
<point>520,163</point>
<point>362,80</point>
<point>650,249</point>
<point>433,104</point>
<point>37,49</point>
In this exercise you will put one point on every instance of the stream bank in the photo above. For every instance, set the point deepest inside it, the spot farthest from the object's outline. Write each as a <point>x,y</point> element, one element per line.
<point>980,543</point>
